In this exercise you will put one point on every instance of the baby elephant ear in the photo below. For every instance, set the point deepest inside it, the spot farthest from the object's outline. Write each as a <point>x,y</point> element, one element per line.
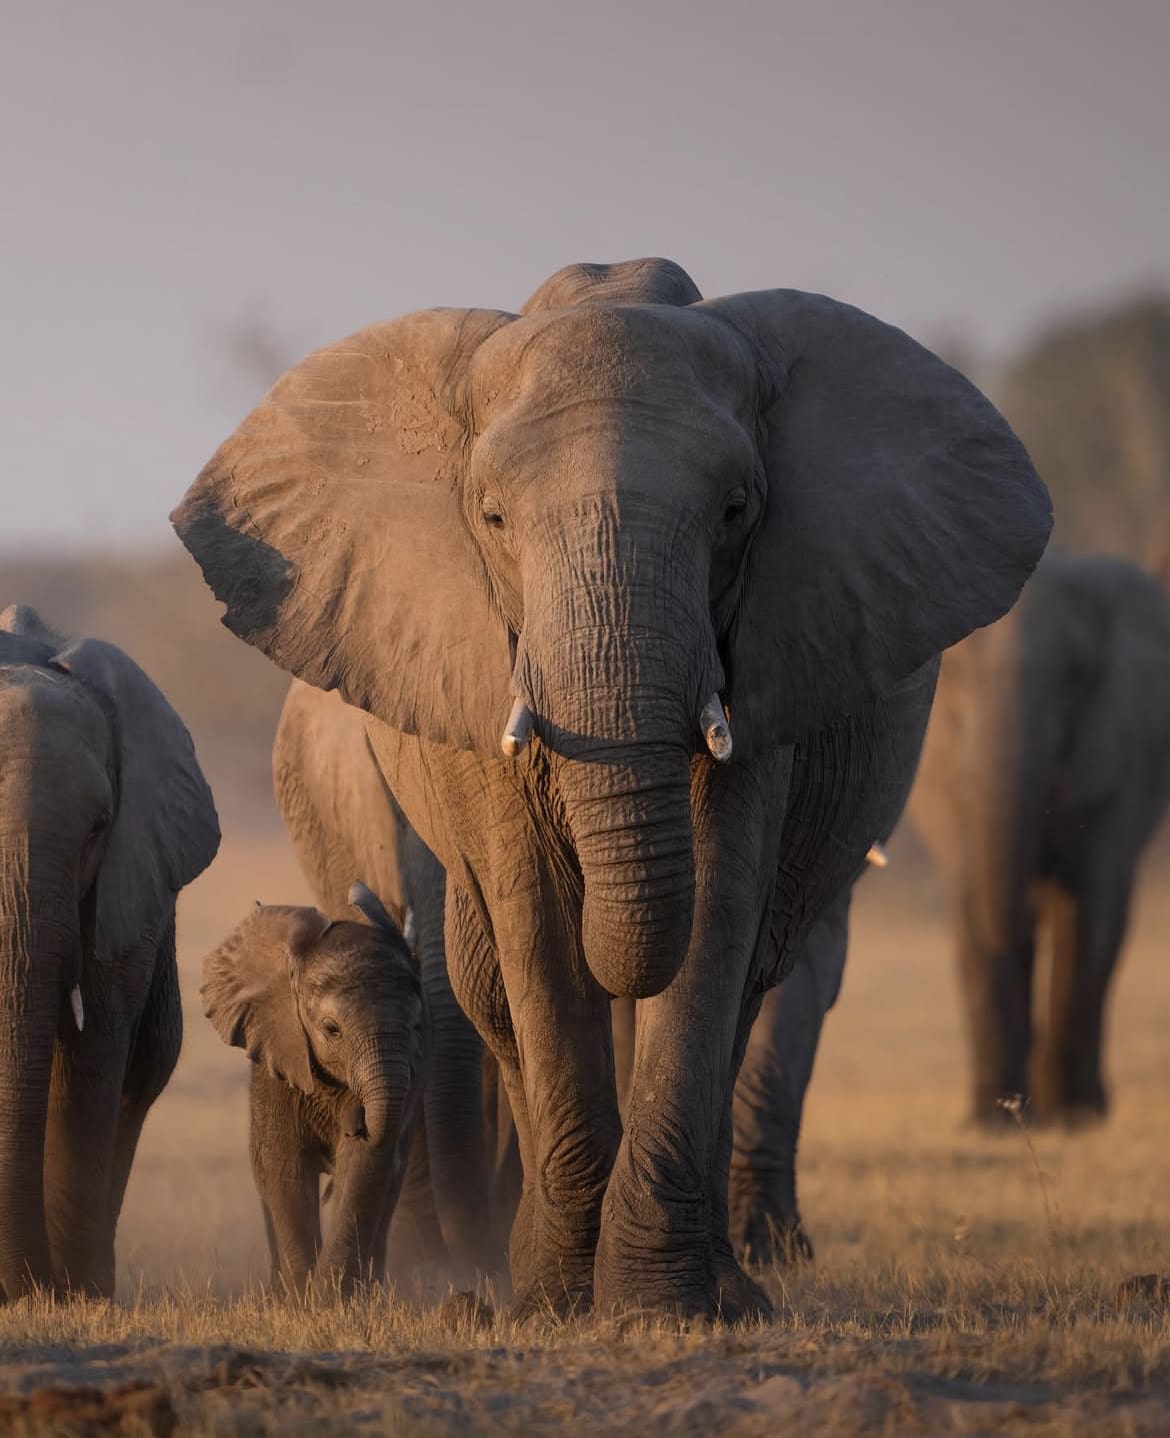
<point>248,995</point>
<point>331,526</point>
<point>901,513</point>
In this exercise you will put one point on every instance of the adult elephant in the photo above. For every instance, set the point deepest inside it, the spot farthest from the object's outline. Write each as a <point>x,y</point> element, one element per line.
<point>344,821</point>
<point>588,528</point>
<point>1045,771</point>
<point>104,817</point>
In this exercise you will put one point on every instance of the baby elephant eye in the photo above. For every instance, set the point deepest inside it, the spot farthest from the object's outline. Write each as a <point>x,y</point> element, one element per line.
<point>330,1029</point>
<point>492,513</point>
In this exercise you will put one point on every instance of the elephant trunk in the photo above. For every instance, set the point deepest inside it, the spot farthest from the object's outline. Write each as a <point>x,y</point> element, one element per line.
<point>619,667</point>
<point>630,819</point>
<point>39,961</point>
<point>382,1081</point>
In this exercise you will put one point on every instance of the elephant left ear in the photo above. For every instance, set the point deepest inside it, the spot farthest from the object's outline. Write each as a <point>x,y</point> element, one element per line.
<point>901,513</point>
<point>165,831</point>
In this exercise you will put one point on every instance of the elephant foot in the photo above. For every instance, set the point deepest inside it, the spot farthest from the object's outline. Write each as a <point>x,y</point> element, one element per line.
<point>1082,1114</point>
<point>740,1299</point>
<point>466,1311</point>
<point>559,1303</point>
<point>776,1240</point>
<point>688,1285</point>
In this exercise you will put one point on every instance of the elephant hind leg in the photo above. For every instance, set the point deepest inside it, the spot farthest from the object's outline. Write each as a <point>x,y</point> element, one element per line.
<point>996,971</point>
<point>153,1056</point>
<point>415,1239</point>
<point>1058,910</point>
<point>1085,958</point>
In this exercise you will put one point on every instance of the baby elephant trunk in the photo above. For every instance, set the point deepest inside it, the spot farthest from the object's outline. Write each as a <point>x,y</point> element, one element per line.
<point>381,1083</point>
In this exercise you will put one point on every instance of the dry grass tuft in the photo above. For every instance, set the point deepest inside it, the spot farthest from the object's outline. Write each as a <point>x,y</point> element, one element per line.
<point>965,1283</point>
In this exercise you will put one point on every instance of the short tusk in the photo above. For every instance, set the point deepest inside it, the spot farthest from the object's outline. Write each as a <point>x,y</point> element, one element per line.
<point>518,729</point>
<point>409,928</point>
<point>877,856</point>
<point>713,723</point>
<point>78,1008</point>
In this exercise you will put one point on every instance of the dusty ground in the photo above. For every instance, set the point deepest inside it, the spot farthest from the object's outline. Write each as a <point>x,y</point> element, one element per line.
<point>963,1284</point>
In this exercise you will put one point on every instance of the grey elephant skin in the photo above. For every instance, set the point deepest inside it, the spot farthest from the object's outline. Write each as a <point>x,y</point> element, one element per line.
<point>460,1190</point>
<point>104,817</point>
<point>333,1017</point>
<point>579,535</point>
<point>1045,771</point>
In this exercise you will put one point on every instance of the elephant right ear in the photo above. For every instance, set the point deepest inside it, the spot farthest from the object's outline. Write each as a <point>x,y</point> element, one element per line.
<point>248,994</point>
<point>331,526</point>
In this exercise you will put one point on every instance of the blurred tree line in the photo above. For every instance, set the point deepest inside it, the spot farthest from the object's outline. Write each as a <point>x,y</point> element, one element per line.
<point>1091,400</point>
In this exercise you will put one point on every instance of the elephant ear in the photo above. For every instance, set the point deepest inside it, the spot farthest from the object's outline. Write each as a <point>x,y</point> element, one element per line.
<point>901,513</point>
<point>248,993</point>
<point>164,831</point>
<point>630,282</point>
<point>331,526</point>
<point>25,638</point>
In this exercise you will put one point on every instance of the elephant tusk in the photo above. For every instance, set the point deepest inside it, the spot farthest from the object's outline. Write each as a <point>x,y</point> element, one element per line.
<point>78,1008</point>
<point>877,856</point>
<point>409,928</point>
<point>518,729</point>
<point>713,723</point>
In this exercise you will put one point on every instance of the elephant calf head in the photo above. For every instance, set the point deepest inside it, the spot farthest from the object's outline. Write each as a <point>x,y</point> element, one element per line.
<point>326,1005</point>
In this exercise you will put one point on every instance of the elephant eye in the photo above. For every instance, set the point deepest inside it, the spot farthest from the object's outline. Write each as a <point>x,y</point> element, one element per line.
<point>734,506</point>
<point>493,514</point>
<point>330,1029</point>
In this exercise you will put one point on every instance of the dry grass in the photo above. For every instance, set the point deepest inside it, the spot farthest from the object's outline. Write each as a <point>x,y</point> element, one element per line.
<point>945,1298</point>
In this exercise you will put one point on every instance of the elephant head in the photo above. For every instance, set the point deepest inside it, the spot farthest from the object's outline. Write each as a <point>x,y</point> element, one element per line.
<point>322,1002</point>
<point>610,522</point>
<point>104,817</point>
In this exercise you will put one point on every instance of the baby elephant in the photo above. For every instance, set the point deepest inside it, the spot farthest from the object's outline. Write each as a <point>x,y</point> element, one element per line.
<point>332,1015</point>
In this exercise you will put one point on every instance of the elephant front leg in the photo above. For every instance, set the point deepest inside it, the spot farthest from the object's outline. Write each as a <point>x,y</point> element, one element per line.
<point>1088,934</point>
<point>658,1247</point>
<point>80,1137</point>
<point>769,1094</point>
<point>288,1181</point>
<point>664,1242</point>
<point>366,1182</point>
<point>546,1021</point>
<point>996,970</point>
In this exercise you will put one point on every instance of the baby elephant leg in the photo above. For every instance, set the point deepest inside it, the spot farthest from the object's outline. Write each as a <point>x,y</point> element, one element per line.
<point>288,1183</point>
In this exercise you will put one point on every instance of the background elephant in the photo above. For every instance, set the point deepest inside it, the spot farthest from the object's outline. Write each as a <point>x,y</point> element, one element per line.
<point>104,817</point>
<point>345,822</point>
<point>1045,770</point>
<point>579,534</point>
<point>333,1017</point>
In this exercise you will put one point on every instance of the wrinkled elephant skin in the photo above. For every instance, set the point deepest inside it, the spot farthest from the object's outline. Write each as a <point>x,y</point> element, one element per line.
<point>104,817</point>
<point>611,507</point>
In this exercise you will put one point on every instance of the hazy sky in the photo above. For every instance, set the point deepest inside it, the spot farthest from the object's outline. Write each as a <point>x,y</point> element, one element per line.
<point>176,175</point>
